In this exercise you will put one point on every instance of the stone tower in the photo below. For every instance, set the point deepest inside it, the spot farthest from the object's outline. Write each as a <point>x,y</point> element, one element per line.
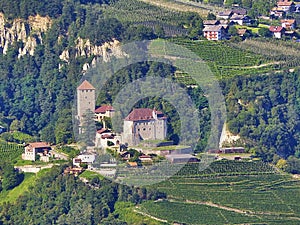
<point>85,99</point>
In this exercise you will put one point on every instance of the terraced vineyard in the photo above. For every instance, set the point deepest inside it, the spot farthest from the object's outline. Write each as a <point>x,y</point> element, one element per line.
<point>136,11</point>
<point>261,196</point>
<point>10,152</point>
<point>226,61</point>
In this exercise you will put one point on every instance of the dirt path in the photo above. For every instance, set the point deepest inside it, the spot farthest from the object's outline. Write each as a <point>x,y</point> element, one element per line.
<point>148,215</point>
<point>263,65</point>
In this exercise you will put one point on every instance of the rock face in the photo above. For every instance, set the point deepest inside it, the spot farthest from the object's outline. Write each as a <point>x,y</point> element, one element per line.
<point>29,32</point>
<point>84,48</point>
<point>227,137</point>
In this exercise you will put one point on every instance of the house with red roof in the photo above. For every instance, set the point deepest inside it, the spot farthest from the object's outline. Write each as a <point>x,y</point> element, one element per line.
<point>104,111</point>
<point>286,5</point>
<point>215,32</point>
<point>144,124</point>
<point>277,31</point>
<point>37,148</point>
<point>106,138</point>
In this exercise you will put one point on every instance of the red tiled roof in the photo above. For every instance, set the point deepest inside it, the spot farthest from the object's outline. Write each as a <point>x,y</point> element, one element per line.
<point>108,136</point>
<point>133,164</point>
<point>284,3</point>
<point>39,145</point>
<point>142,114</point>
<point>275,29</point>
<point>104,108</point>
<point>102,130</point>
<point>85,85</point>
<point>213,28</point>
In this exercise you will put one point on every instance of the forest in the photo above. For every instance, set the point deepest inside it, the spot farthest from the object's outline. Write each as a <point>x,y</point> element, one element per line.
<point>64,199</point>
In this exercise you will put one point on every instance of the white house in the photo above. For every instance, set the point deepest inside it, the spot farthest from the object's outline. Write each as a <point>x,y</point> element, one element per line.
<point>36,148</point>
<point>105,137</point>
<point>86,158</point>
<point>240,19</point>
<point>104,111</point>
<point>214,32</point>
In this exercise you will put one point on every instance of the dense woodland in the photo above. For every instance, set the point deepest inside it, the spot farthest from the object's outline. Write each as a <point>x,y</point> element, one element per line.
<point>9,177</point>
<point>64,199</point>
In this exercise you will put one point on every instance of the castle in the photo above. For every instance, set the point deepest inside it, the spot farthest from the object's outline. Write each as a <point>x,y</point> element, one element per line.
<point>140,124</point>
<point>144,124</point>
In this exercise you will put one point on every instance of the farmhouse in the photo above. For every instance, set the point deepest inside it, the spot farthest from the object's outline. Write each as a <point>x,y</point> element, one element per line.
<point>144,124</point>
<point>286,5</point>
<point>240,19</point>
<point>277,31</point>
<point>214,32</point>
<point>37,148</point>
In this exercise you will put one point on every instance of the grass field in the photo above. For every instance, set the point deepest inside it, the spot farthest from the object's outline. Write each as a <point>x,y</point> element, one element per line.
<point>89,175</point>
<point>15,193</point>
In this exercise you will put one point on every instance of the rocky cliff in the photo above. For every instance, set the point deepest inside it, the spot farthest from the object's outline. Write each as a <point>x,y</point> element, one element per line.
<point>29,32</point>
<point>83,47</point>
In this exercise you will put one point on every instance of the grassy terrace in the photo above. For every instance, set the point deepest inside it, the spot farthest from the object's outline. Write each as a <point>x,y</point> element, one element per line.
<point>29,180</point>
<point>89,175</point>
